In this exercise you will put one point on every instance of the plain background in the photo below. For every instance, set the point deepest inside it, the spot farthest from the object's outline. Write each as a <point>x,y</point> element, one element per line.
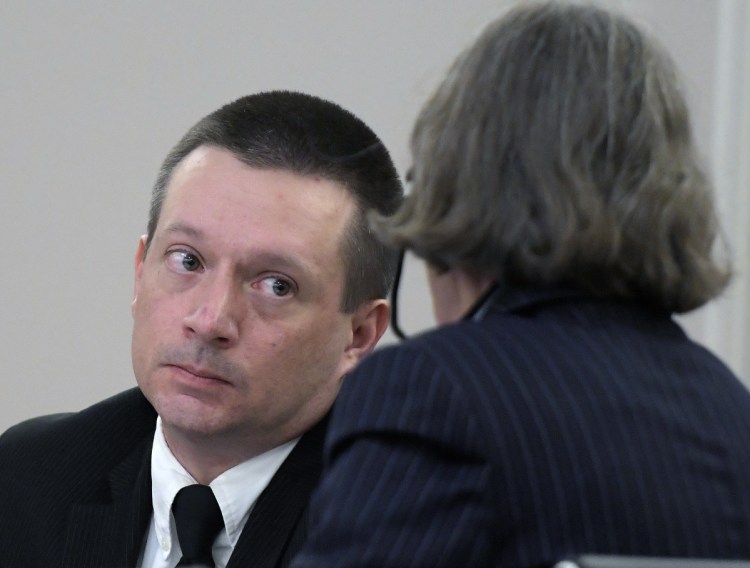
<point>94,94</point>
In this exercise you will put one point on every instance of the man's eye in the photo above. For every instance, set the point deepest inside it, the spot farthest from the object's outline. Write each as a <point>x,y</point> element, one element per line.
<point>183,261</point>
<point>277,286</point>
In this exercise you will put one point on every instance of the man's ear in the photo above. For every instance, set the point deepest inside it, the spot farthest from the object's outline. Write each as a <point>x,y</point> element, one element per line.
<point>140,252</point>
<point>369,323</point>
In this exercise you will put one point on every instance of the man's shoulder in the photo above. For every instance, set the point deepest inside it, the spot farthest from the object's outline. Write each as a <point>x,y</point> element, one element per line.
<point>107,427</point>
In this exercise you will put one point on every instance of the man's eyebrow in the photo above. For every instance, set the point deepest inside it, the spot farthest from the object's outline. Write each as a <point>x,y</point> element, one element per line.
<point>185,229</point>
<point>282,261</point>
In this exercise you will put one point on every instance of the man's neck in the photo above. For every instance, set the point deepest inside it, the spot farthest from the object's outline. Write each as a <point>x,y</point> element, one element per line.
<point>207,457</point>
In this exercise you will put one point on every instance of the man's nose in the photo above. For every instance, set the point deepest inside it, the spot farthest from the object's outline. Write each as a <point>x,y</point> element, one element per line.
<point>214,317</point>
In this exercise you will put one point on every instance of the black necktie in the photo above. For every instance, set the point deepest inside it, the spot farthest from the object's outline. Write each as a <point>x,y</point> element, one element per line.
<point>198,519</point>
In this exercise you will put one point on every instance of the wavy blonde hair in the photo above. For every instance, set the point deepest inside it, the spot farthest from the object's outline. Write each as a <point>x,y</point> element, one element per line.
<point>558,150</point>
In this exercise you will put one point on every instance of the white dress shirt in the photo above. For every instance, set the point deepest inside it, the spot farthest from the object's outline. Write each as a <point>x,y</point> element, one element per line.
<point>236,490</point>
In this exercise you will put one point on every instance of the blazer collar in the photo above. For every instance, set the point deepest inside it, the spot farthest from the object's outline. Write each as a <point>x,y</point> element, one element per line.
<point>111,533</point>
<point>278,523</point>
<point>509,299</point>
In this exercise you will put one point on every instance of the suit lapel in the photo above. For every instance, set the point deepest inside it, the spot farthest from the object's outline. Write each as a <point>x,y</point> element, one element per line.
<point>277,525</point>
<point>111,533</point>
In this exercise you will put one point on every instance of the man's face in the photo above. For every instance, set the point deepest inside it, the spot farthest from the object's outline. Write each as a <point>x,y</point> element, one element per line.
<point>237,329</point>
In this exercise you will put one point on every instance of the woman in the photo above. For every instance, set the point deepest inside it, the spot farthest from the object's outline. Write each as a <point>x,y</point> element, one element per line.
<point>558,409</point>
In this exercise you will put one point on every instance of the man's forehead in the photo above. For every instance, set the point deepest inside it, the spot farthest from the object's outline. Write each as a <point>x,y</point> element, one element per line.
<point>208,156</point>
<point>209,174</point>
<point>197,158</point>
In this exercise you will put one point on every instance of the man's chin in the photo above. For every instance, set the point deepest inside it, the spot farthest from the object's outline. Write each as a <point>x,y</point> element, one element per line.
<point>191,416</point>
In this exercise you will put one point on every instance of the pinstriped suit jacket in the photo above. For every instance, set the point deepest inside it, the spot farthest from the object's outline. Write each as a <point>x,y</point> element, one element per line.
<point>75,491</point>
<point>552,424</point>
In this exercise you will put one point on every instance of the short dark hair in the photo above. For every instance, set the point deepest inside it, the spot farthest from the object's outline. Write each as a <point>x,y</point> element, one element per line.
<point>558,151</point>
<point>309,136</point>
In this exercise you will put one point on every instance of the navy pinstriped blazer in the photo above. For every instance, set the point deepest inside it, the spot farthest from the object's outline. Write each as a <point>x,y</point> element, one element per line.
<point>75,491</point>
<point>552,424</point>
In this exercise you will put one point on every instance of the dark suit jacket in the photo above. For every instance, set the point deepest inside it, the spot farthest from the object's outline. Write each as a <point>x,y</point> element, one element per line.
<point>552,424</point>
<point>75,491</point>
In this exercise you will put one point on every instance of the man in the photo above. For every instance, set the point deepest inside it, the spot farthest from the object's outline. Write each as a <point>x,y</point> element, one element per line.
<point>558,409</point>
<point>258,286</point>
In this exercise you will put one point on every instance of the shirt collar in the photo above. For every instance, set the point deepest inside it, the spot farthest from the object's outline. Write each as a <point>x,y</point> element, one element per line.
<point>236,489</point>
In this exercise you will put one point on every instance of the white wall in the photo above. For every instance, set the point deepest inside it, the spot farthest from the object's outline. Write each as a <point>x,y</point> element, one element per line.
<point>95,93</point>
<point>725,325</point>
